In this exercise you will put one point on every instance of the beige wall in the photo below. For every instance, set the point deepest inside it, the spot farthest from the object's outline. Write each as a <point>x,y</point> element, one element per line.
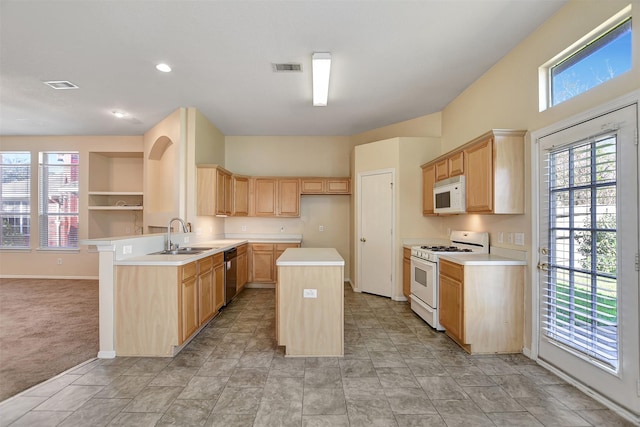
<point>404,155</point>
<point>429,125</point>
<point>296,156</point>
<point>165,171</point>
<point>75,264</point>
<point>205,145</point>
<point>507,97</point>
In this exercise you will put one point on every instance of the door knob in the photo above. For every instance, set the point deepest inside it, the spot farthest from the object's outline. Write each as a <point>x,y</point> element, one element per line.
<point>362,239</point>
<point>543,266</point>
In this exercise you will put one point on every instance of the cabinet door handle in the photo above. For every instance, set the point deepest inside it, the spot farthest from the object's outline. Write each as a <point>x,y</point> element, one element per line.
<point>362,239</point>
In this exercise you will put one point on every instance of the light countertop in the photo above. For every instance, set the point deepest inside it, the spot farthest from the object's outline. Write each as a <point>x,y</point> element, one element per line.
<point>215,246</point>
<point>310,256</point>
<point>481,259</point>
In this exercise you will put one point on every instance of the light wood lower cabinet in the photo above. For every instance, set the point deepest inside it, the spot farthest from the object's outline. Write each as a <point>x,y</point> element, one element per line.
<point>262,260</point>
<point>158,308</point>
<point>218,277</point>
<point>482,306</point>
<point>243,266</point>
<point>406,272</point>
<point>189,301</point>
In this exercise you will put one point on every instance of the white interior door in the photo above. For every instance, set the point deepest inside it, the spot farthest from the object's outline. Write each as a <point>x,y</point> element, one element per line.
<point>588,283</point>
<point>376,232</point>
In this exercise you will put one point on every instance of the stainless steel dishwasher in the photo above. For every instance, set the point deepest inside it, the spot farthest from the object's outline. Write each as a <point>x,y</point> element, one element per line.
<point>230,274</point>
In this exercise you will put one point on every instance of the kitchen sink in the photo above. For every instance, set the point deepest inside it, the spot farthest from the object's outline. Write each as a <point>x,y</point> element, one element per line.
<point>182,251</point>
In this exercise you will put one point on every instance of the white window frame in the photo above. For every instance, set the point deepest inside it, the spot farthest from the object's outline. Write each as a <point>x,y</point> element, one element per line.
<point>544,71</point>
<point>13,194</point>
<point>44,213</point>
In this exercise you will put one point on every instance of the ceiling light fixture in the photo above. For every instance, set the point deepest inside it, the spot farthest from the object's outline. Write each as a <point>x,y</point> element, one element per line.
<point>321,62</point>
<point>119,114</point>
<point>164,68</point>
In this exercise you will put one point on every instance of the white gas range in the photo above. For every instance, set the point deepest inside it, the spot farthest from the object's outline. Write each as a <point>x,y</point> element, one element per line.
<point>424,271</point>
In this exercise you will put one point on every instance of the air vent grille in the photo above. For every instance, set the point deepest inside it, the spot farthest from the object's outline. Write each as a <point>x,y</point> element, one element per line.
<point>61,84</point>
<point>288,67</point>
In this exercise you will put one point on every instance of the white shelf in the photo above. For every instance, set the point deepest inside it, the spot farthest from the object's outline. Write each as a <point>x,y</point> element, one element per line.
<point>115,193</point>
<point>115,208</point>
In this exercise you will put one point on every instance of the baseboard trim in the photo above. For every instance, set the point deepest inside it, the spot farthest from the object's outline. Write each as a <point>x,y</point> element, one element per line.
<point>624,413</point>
<point>107,354</point>
<point>255,285</point>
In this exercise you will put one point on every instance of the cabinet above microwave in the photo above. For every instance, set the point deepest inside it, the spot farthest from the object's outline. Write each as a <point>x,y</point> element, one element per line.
<point>493,167</point>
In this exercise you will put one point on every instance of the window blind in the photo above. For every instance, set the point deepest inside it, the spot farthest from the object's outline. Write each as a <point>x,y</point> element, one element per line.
<point>15,199</point>
<point>58,195</point>
<point>580,286</point>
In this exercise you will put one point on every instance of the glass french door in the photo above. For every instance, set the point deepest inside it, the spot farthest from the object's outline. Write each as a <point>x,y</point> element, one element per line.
<point>588,276</point>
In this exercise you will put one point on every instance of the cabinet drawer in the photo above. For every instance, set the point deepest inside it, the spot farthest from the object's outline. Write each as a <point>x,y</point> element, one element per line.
<point>205,264</point>
<point>218,258</point>
<point>455,271</point>
<point>262,246</point>
<point>242,249</point>
<point>339,186</point>
<point>312,186</point>
<point>189,270</point>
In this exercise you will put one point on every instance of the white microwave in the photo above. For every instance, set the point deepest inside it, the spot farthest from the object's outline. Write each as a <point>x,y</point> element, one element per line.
<point>449,196</point>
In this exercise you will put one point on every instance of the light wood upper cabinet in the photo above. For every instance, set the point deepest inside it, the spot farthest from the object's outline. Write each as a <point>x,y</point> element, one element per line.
<point>442,169</point>
<point>240,198</point>
<point>325,185</point>
<point>213,193</point>
<point>495,173</point>
<point>277,197</point>
<point>428,180</point>
<point>456,164</point>
<point>482,306</point>
<point>452,165</point>
<point>479,185</point>
<point>493,166</point>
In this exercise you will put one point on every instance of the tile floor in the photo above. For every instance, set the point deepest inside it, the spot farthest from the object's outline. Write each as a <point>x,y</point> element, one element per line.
<point>396,371</point>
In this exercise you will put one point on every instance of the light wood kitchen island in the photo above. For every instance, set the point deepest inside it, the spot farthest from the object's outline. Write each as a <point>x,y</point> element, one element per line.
<point>310,302</point>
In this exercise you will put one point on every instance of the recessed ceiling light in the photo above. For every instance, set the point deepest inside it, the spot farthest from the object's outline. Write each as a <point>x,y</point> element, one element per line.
<point>61,84</point>
<point>164,68</point>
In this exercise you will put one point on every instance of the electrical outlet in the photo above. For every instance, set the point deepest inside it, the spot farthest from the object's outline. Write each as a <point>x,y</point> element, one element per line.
<point>282,229</point>
<point>186,239</point>
<point>321,228</point>
<point>243,228</point>
<point>519,238</point>
<point>127,249</point>
<point>127,230</point>
<point>309,293</point>
<point>59,261</point>
<point>500,237</point>
<point>509,237</point>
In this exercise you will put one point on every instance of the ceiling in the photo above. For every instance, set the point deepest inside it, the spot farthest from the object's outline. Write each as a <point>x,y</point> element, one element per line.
<point>393,60</point>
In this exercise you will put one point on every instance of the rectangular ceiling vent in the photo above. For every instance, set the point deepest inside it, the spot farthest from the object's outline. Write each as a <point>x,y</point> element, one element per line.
<point>61,84</point>
<point>286,67</point>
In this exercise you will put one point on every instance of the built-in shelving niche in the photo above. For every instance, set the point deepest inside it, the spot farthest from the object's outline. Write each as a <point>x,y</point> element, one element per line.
<point>115,198</point>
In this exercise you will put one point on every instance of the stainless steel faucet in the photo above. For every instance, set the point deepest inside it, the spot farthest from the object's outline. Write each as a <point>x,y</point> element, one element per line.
<point>184,230</point>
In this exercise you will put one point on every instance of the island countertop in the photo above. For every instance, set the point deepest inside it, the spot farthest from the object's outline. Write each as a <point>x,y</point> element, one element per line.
<point>310,256</point>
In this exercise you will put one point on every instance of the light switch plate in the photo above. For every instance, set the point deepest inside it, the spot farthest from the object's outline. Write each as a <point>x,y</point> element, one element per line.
<point>310,293</point>
<point>519,239</point>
